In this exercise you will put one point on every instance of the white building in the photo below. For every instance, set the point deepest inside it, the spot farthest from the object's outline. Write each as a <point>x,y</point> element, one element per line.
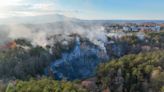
<point>126,29</point>
<point>158,28</point>
<point>134,29</point>
<point>116,34</point>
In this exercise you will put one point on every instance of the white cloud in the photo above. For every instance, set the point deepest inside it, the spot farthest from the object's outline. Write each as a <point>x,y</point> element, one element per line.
<point>12,8</point>
<point>5,3</point>
<point>43,7</point>
<point>6,7</point>
<point>20,8</point>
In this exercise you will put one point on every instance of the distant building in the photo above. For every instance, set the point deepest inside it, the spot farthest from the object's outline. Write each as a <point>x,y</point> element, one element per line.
<point>158,28</point>
<point>116,34</point>
<point>126,29</point>
<point>151,28</point>
<point>134,29</point>
<point>141,35</point>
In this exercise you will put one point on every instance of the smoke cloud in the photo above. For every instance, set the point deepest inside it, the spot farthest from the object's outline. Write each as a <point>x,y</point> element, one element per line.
<point>3,37</point>
<point>38,34</point>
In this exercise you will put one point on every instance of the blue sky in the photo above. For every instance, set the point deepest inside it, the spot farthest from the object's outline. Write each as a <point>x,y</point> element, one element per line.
<point>85,9</point>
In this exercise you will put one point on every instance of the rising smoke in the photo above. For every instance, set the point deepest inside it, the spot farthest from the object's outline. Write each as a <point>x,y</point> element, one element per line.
<point>38,34</point>
<point>4,37</point>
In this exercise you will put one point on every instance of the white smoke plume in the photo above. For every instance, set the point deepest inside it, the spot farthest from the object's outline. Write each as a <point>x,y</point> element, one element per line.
<point>38,34</point>
<point>3,37</point>
<point>19,31</point>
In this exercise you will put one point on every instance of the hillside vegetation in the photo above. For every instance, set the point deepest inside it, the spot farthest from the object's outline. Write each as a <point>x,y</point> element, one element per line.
<point>143,72</point>
<point>135,65</point>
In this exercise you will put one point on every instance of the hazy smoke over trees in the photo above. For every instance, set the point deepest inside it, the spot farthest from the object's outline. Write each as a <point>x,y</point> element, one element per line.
<point>38,33</point>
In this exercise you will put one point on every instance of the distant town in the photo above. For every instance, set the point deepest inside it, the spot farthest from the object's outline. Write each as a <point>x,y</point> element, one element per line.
<point>133,27</point>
